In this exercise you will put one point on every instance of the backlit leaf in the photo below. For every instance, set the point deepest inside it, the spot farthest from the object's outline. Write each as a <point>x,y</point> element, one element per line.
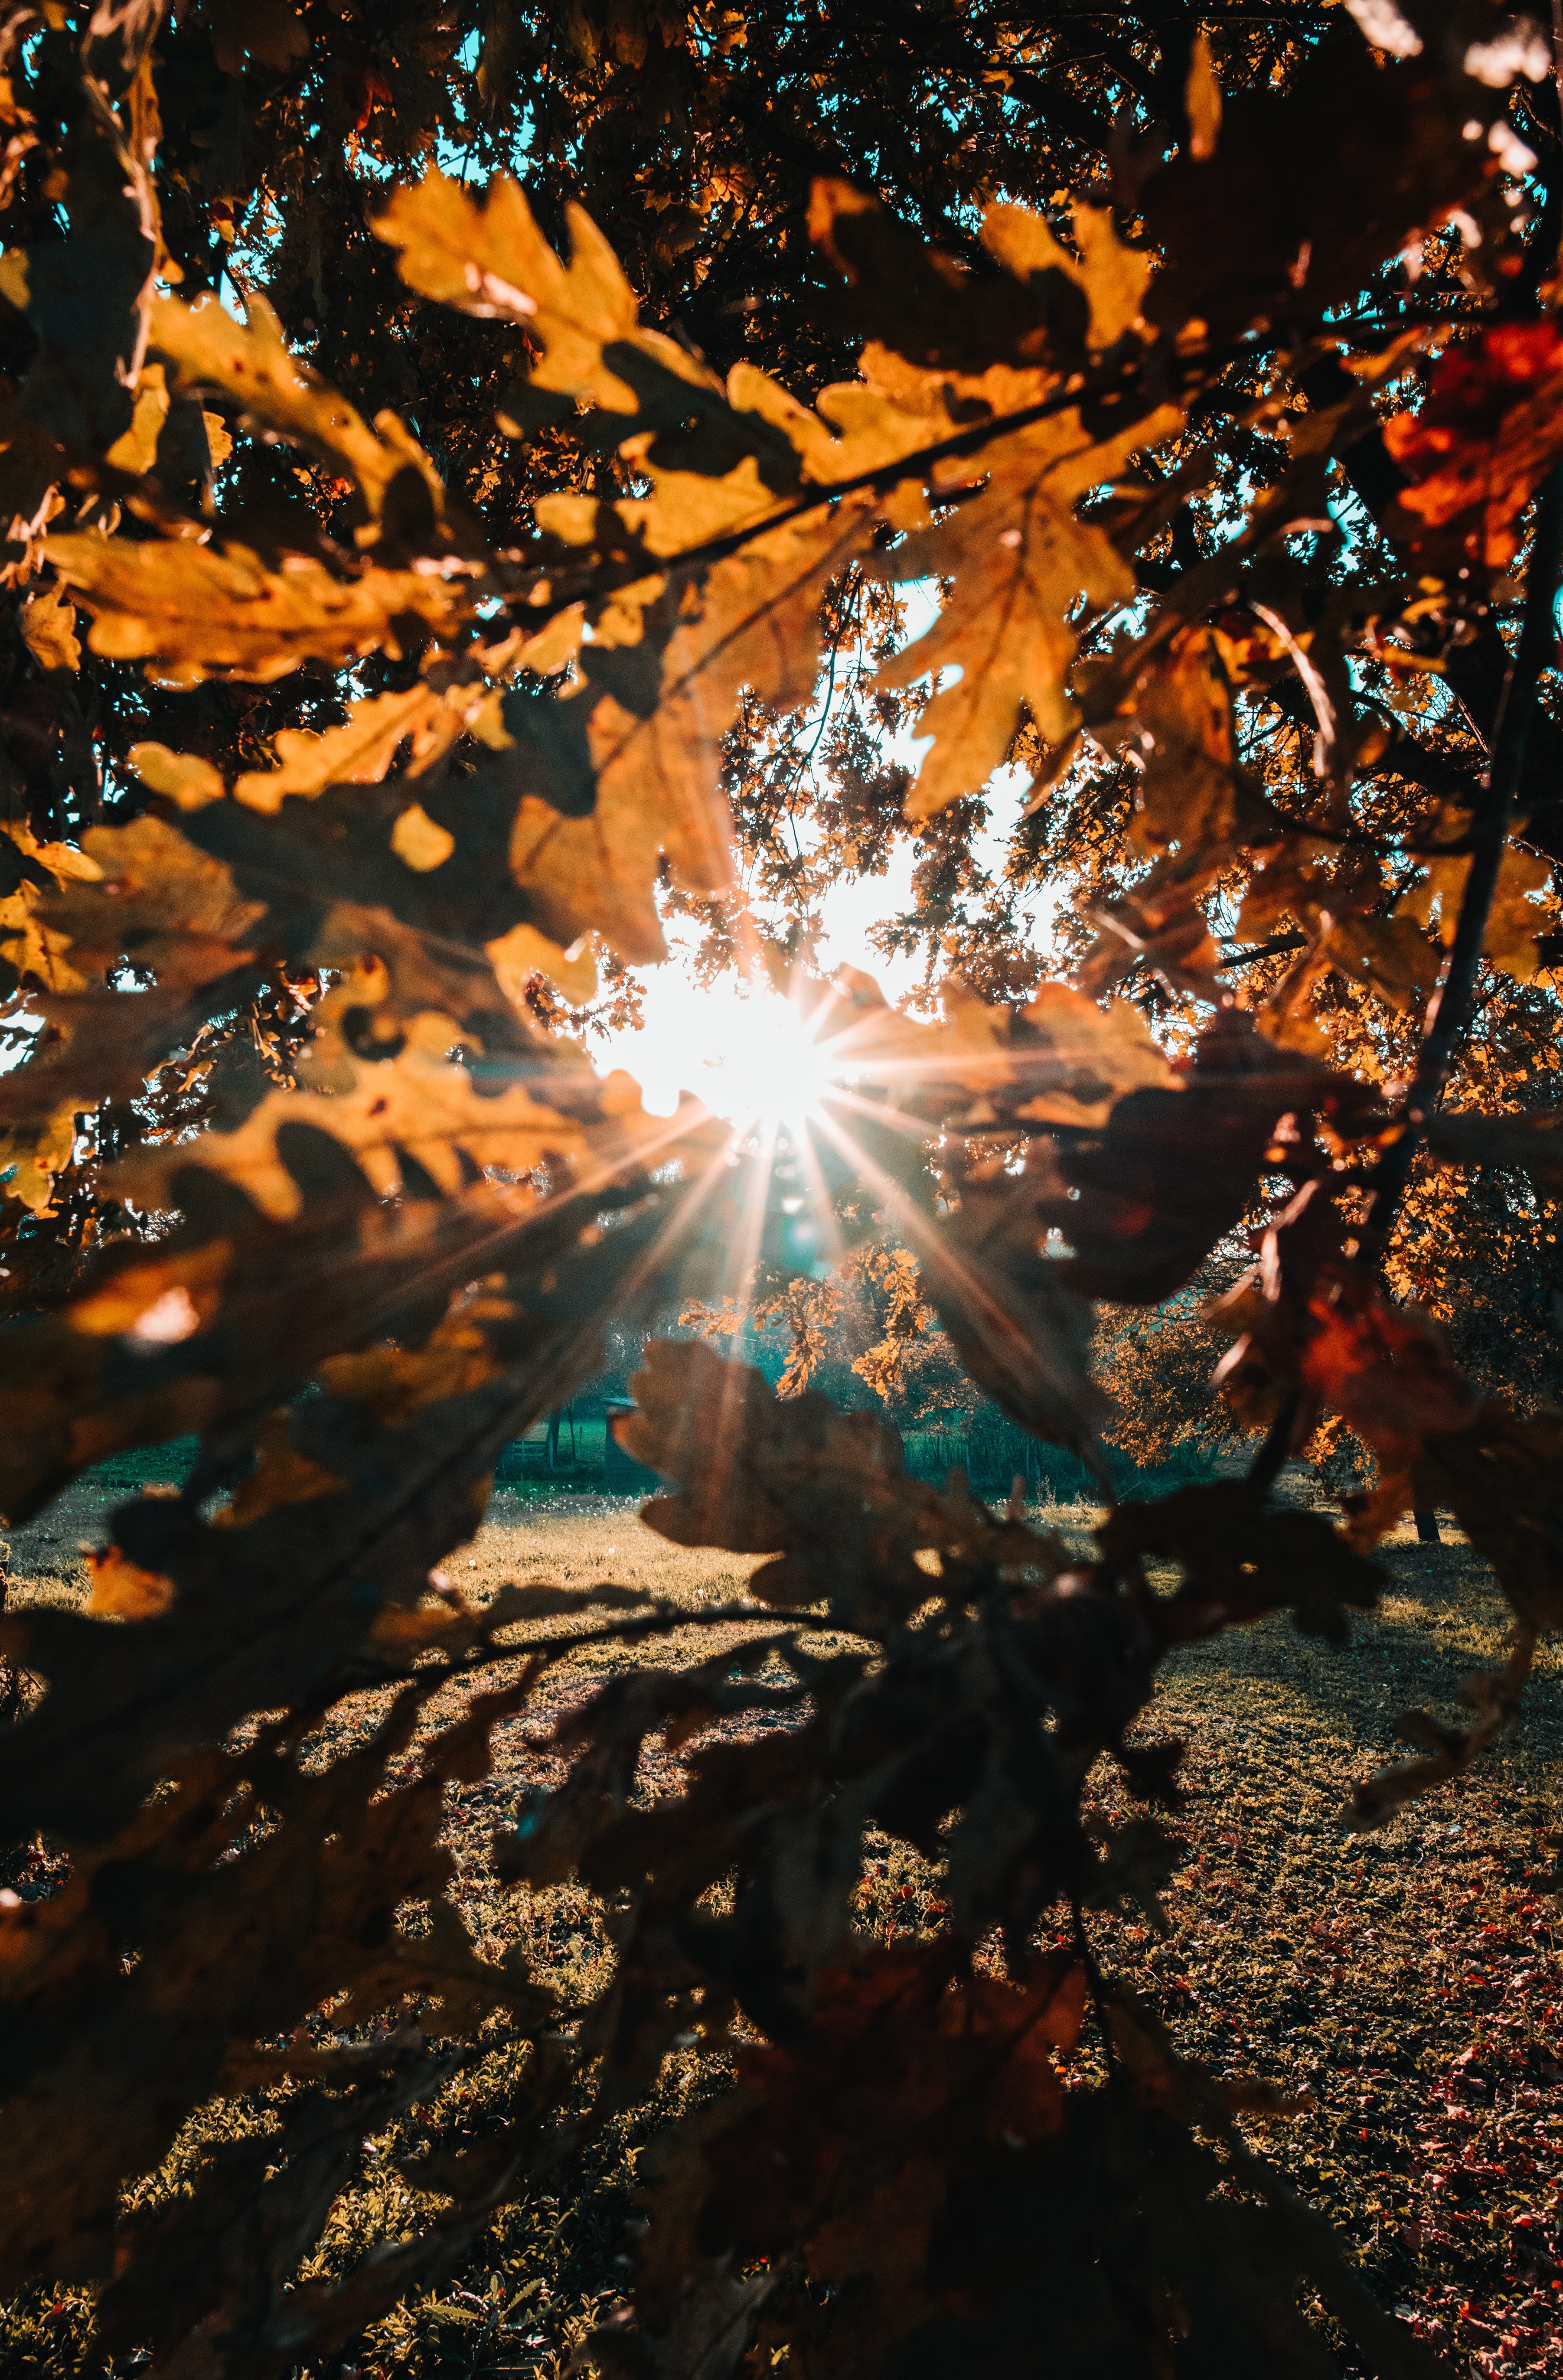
<point>184,777</point>
<point>1482,441</point>
<point>251,362</point>
<point>416,1106</point>
<point>493,261</point>
<point>33,1155</point>
<point>358,753</point>
<point>192,612</point>
<point>153,899</point>
<point>1020,562</point>
<point>48,626</point>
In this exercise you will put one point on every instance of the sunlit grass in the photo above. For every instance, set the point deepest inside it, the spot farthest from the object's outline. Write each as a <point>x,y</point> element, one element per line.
<point>1357,1969</point>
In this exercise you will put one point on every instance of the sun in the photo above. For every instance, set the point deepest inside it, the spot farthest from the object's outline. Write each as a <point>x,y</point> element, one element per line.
<point>766,1066</point>
<point>747,1052</point>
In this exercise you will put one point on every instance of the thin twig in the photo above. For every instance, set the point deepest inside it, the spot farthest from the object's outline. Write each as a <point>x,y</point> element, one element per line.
<point>1262,951</point>
<point>1100,386</point>
<point>1449,1011</point>
<point>1264,1469</point>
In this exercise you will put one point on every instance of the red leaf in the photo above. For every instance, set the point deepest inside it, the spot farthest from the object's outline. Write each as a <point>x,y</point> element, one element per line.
<point>1492,425</point>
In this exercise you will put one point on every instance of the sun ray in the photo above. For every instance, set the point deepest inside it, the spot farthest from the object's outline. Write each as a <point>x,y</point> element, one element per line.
<point>748,1052</point>
<point>943,1263</point>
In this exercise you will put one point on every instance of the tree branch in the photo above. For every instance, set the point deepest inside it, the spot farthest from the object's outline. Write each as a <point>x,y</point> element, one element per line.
<point>1449,1011</point>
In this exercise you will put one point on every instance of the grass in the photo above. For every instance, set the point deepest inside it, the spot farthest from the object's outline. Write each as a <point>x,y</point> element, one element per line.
<point>1406,1984</point>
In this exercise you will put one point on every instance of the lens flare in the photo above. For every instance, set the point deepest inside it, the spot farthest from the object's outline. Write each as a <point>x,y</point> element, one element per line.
<point>749,1054</point>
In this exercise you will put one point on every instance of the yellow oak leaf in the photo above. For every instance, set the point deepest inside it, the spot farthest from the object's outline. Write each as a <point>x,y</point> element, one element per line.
<point>1390,956</point>
<point>1068,1058</point>
<point>396,1383</point>
<point>157,900</point>
<point>1523,907</point>
<point>1104,1053</point>
<point>416,1104</point>
<point>182,777</point>
<point>1020,562</point>
<point>1176,729</point>
<point>523,953</point>
<point>62,861</point>
<point>194,611</point>
<point>493,261</point>
<point>556,644</point>
<point>136,451</point>
<point>357,753</point>
<point>420,842</point>
<point>1113,277</point>
<point>34,1153</point>
<point>48,626</point>
<point>282,1476</point>
<point>633,746</point>
<point>251,362</point>
<point>33,948</point>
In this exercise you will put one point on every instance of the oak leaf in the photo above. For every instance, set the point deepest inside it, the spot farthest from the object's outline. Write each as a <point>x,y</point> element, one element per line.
<point>623,766</point>
<point>136,452</point>
<point>1177,732</point>
<point>416,1107</point>
<point>1523,909</point>
<point>357,753</point>
<point>493,261</point>
<point>826,1492</point>
<point>191,612</point>
<point>1022,563</point>
<point>420,842</point>
<point>1391,955</point>
<point>181,777</point>
<point>1484,437</point>
<point>48,626</point>
<point>32,1155</point>
<point>119,1589</point>
<point>33,948</point>
<point>627,766</point>
<point>251,363</point>
<point>1017,1323</point>
<point>1061,1059</point>
<point>1047,307</point>
<point>524,953</point>
<point>153,899</point>
<point>1172,1172</point>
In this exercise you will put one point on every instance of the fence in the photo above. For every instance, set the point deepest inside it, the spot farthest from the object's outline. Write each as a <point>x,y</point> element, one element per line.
<point>993,1451</point>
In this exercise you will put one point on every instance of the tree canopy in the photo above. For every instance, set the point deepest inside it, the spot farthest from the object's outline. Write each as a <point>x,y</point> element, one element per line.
<point>463,467</point>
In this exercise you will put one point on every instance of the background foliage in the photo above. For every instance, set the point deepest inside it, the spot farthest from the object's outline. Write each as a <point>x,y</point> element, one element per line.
<point>384,669</point>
